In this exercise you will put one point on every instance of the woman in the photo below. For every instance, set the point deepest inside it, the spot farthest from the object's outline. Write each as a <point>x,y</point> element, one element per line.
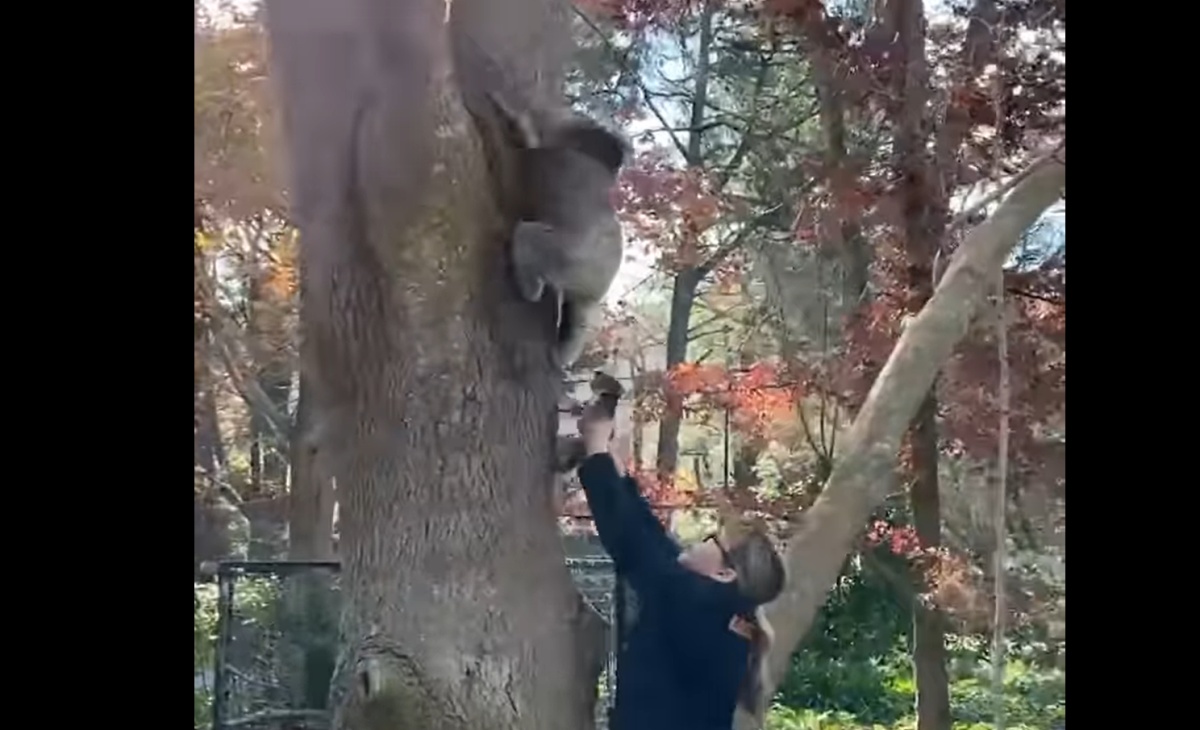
<point>697,647</point>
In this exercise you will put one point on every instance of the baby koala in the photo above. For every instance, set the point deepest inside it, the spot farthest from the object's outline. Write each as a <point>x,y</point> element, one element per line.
<point>571,241</point>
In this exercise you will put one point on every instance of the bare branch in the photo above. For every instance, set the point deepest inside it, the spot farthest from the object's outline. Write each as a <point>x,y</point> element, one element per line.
<point>623,63</point>
<point>1001,190</point>
<point>229,350</point>
<point>743,148</point>
<point>734,242</point>
<point>248,387</point>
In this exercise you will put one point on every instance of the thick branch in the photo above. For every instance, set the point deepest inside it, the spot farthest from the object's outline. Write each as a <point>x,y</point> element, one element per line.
<point>856,486</point>
<point>249,389</point>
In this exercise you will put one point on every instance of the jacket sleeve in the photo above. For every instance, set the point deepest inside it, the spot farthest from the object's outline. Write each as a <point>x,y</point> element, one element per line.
<point>638,544</point>
<point>606,495</point>
<point>638,513</point>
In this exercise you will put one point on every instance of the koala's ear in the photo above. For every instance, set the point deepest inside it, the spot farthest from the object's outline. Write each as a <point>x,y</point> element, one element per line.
<point>592,139</point>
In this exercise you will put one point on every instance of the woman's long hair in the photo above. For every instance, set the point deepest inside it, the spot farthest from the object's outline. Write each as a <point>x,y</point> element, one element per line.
<point>760,578</point>
<point>754,684</point>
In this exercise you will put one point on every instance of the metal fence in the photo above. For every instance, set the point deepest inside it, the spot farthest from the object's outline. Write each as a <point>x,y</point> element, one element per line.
<point>273,616</point>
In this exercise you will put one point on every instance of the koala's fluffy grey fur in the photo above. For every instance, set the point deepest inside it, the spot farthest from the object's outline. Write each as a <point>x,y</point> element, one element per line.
<point>570,240</point>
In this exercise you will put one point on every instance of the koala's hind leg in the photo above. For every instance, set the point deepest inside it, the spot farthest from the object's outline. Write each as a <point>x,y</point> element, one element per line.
<point>532,245</point>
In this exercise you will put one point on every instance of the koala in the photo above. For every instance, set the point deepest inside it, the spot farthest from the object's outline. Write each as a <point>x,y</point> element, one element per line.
<point>570,241</point>
<point>606,391</point>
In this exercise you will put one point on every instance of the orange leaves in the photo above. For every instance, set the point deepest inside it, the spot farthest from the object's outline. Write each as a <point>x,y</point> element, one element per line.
<point>950,581</point>
<point>662,494</point>
<point>756,397</point>
<point>281,279</point>
<point>688,378</point>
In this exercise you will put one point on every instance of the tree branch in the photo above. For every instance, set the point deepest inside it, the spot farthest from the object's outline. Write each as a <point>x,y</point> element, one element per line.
<point>859,478</point>
<point>248,387</point>
<point>228,351</point>
<point>1032,295</point>
<point>1001,190</point>
<point>743,148</point>
<point>734,242</point>
<point>637,79</point>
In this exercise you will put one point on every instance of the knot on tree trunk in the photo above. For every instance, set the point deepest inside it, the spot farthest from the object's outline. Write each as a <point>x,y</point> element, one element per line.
<point>388,691</point>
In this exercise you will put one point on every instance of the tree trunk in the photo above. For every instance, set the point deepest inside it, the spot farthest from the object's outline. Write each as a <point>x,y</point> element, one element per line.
<point>219,529</point>
<point>209,453</point>
<point>853,248</point>
<point>309,608</point>
<point>683,291</point>
<point>742,471</point>
<point>1000,558</point>
<point>266,326</point>
<point>638,442</point>
<point>929,632</point>
<point>868,452</point>
<point>434,391</point>
<point>923,200</point>
<point>310,496</point>
<point>683,296</point>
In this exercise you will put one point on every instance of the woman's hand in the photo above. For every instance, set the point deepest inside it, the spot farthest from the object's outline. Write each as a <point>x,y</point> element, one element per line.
<point>596,433</point>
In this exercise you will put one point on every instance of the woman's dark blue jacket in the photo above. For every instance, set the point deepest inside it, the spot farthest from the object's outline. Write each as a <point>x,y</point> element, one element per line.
<point>680,665</point>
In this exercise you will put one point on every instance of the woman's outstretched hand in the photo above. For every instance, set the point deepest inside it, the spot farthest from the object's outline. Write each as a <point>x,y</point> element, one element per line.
<point>596,432</point>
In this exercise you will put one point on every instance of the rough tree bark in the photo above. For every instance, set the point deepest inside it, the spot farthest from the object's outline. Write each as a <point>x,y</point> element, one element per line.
<point>434,392</point>
<point>868,452</point>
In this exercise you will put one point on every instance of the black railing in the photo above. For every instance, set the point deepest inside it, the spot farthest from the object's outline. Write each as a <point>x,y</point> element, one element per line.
<point>252,640</point>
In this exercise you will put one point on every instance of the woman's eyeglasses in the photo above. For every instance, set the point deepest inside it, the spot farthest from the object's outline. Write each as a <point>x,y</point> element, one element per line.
<point>715,539</point>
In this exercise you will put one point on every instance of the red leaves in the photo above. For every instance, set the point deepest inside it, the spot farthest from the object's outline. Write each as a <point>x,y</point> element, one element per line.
<point>951,583</point>
<point>664,497</point>
<point>900,540</point>
<point>670,209</point>
<point>757,397</point>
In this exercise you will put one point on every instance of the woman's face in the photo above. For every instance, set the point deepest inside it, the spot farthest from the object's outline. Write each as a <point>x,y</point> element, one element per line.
<point>708,557</point>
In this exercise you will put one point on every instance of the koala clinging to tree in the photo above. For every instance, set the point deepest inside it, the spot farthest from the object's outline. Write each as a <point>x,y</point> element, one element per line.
<point>570,240</point>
